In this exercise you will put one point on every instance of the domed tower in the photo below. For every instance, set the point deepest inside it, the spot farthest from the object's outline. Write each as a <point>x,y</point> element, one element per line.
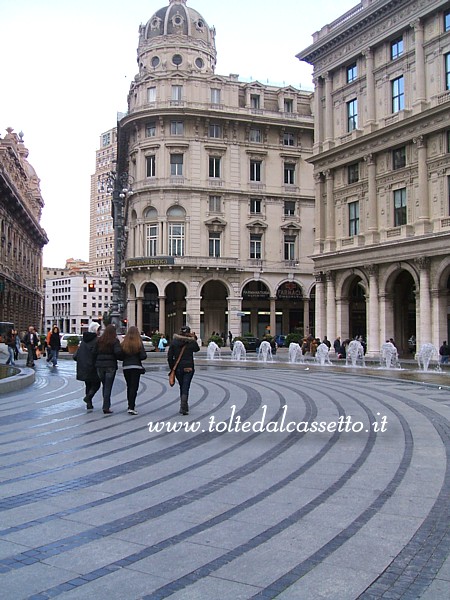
<point>176,38</point>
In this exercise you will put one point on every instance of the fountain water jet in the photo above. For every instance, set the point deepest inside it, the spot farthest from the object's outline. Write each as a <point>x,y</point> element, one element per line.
<point>322,354</point>
<point>212,350</point>
<point>354,352</point>
<point>295,352</point>
<point>389,356</point>
<point>426,353</point>
<point>239,352</point>
<point>265,352</point>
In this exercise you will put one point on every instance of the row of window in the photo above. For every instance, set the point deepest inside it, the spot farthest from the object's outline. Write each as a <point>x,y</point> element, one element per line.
<point>396,50</point>
<point>176,242</point>
<point>399,216</point>
<point>256,101</point>
<point>398,157</point>
<point>215,168</point>
<point>215,131</point>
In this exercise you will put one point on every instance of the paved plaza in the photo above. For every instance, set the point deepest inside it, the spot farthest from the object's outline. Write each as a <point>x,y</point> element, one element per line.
<point>293,482</point>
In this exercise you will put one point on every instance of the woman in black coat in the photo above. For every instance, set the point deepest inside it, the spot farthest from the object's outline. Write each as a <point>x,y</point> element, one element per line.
<point>86,371</point>
<point>108,352</point>
<point>185,368</point>
<point>54,345</point>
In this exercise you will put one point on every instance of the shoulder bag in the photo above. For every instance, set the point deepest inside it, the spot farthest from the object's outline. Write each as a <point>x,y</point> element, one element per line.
<point>172,371</point>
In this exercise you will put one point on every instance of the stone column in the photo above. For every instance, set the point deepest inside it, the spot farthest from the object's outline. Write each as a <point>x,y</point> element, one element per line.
<point>162,314</point>
<point>318,116</point>
<point>373,315</point>
<point>330,308</point>
<point>329,133</point>
<point>193,313</point>
<point>273,318</point>
<point>306,316</point>
<point>370,86</point>
<point>330,226</point>
<point>320,303</point>
<point>422,221</point>
<point>139,317</point>
<point>131,312</point>
<point>420,81</point>
<point>425,330</point>
<point>319,217</point>
<point>371,235</point>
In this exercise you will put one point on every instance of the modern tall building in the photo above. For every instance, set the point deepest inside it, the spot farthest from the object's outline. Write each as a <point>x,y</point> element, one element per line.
<point>101,234</point>
<point>220,227</point>
<point>382,172</point>
<point>21,236</point>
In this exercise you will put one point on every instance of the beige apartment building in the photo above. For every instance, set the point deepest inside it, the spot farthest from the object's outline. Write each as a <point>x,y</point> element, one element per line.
<point>219,228</point>
<point>382,172</point>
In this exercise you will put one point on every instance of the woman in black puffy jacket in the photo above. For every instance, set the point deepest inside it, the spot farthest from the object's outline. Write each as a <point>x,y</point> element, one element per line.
<point>185,368</point>
<point>107,353</point>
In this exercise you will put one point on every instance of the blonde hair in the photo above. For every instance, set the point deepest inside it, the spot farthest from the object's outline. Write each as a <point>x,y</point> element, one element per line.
<point>132,343</point>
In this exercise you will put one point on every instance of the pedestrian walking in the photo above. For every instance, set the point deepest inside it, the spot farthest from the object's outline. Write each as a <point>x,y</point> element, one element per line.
<point>230,337</point>
<point>31,341</point>
<point>54,346</point>
<point>85,357</point>
<point>10,341</point>
<point>18,344</point>
<point>181,359</point>
<point>444,352</point>
<point>133,355</point>
<point>108,352</point>
<point>47,341</point>
<point>162,343</point>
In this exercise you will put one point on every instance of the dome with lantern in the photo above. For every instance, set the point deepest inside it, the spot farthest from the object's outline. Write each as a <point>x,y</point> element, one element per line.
<point>178,38</point>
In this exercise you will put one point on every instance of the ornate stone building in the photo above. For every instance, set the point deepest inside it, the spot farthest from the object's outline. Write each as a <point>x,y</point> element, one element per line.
<point>21,236</point>
<point>382,171</point>
<point>220,225</point>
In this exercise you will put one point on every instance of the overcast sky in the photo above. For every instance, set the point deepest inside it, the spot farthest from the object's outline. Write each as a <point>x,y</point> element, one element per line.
<point>66,68</point>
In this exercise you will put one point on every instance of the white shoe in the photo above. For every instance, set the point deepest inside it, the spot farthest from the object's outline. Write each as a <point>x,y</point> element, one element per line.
<point>131,411</point>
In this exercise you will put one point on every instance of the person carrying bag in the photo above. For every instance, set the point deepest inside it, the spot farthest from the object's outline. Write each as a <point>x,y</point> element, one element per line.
<point>181,363</point>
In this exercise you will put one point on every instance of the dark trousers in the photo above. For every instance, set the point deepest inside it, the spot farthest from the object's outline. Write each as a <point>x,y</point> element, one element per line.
<point>91,388</point>
<point>184,380</point>
<point>31,356</point>
<point>132,377</point>
<point>107,377</point>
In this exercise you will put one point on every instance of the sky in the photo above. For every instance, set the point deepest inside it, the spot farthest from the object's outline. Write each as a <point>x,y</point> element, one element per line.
<point>66,68</point>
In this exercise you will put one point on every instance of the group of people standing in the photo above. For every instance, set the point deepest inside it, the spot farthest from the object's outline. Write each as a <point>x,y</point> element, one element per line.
<point>97,363</point>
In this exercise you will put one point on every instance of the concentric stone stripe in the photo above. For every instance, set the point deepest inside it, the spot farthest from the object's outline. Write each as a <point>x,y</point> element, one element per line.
<point>228,500</point>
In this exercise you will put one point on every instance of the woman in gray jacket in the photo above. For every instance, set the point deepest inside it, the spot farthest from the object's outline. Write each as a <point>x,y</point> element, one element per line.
<point>133,355</point>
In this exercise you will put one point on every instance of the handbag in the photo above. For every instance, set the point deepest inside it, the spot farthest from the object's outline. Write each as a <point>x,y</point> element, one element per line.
<point>172,371</point>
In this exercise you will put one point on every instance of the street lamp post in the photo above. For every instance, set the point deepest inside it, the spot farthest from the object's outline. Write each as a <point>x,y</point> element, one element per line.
<point>119,185</point>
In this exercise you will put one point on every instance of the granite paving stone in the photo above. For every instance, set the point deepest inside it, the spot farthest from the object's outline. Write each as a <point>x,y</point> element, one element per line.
<point>100,507</point>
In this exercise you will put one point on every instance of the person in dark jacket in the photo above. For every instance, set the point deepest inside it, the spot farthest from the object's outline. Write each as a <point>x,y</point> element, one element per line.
<point>185,368</point>
<point>108,352</point>
<point>54,345</point>
<point>31,341</point>
<point>133,355</point>
<point>10,341</point>
<point>85,358</point>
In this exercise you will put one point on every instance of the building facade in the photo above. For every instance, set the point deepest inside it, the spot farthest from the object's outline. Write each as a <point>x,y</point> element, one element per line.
<point>21,236</point>
<point>74,297</point>
<point>382,172</point>
<point>101,234</point>
<point>219,228</point>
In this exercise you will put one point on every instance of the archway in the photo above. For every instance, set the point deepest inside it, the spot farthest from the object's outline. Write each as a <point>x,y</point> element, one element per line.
<point>256,308</point>
<point>357,313</point>
<point>213,310</point>
<point>150,309</point>
<point>289,308</point>
<point>404,310</point>
<point>175,308</point>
